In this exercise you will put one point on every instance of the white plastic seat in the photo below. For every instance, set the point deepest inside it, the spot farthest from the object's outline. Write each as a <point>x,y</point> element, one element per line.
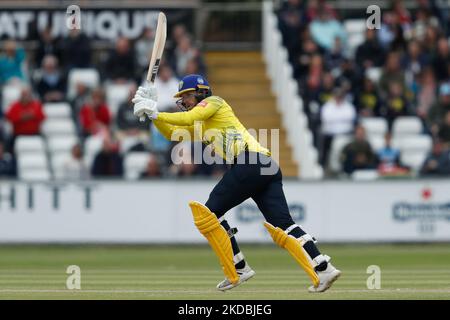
<point>338,144</point>
<point>34,175</point>
<point>404,126</point>
<point>413,158</point>
<point>58,110</point>
<point>420,142</point>
<point>376,142</point>
<point>365,175</point>
<point>36,160</point>
<point>64,144</point>
<point>375,126</point>
<point>58,127</point>
<point>89,77</point>
<point>29,144</point>
<point>10,94</point>
<point>134,164</point>
<point>355,25</point>
<point>116,94</point>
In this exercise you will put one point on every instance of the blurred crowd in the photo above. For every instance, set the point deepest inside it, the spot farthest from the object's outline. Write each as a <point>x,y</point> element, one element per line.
<point>42,76</point>
<point>401,68</point>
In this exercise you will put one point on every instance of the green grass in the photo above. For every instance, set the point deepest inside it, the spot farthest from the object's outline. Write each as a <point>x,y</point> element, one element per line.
<point>192,272</point>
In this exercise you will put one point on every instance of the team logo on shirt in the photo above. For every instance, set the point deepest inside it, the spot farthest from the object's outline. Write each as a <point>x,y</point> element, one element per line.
<point>203,103</point>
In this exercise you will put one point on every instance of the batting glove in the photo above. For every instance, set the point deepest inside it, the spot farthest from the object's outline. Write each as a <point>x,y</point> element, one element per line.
<point>144,105</point>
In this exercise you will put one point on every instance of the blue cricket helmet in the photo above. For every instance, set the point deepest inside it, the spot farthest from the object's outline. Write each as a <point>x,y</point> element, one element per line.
<point>192,82</point>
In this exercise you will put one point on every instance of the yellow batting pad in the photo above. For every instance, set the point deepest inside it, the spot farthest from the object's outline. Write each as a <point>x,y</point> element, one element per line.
<point>210,227</point>
<point>294,248</point>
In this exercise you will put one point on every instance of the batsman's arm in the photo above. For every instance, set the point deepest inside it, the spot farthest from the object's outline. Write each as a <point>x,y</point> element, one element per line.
<point>198,113</point>
<point>168,129</point>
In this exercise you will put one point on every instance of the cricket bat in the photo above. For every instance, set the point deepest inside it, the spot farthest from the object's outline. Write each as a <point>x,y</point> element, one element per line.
<point>158,48</point>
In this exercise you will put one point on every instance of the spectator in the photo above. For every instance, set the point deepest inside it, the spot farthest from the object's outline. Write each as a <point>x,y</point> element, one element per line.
<point>47,45</point>
<point>153,168</point>
<point>337,117</point>
<point>52,84</point>
<point>444,130</point>
<point>7,163</point>
<point>437,162</point>
<point>386,34</point>
<point>25,115</point>
<point>74,166</point>
<point>441,60</point>
<point>11,63</point>
<point>302,63</point>
<point>183,53</point>
<point>95,115</point>
<point>311,81</point>
<point>358,154</point>
<point>142,47</point>
<point>403,15</point>
<point>76,50</point>
<point>120,65</point>
<point>389,158</point>
<point>396,103</point>
<point>392,72</point>
<point>292,18</point>
<point>335,57</point>
<point>108,162</point>
<point>413,64</point>
<point>370,53</point>
<point>426,95</point>
<point>439,109</point>
<point>316,6</point>
<point>325,29</point>
<point>368,101</point>
<point>127,123</point>
<point>166,84</point>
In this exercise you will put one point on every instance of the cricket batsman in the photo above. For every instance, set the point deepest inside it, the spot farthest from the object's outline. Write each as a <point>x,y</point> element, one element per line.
<point>246,178</point>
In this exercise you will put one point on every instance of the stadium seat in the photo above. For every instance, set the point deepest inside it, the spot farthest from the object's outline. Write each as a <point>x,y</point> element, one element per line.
<point>60,110</point>
<point>376,142</point>
<point>135,163</point>
<point>375,126</point>
<point>89,77</point>
<point>29,144</point>
<point>417,143</point>
<point>58,127</point>
<point>128,142</point>
<point>365,175</point>
<point>61,144</point>
<point>339,142</point>
<point>34,175</point>
<point>412,158</point>
<point>36,161</point>
<point>116,94</point>
<point>10,93</point>
<point>404,126</point>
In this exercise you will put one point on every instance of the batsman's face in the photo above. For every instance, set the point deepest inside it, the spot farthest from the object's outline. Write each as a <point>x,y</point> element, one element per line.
<point>187,101</point>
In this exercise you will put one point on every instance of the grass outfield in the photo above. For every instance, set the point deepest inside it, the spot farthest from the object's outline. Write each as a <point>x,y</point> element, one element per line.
<point>185,272</point>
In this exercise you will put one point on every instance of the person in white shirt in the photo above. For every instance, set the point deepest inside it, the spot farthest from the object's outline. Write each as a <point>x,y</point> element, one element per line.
<point>74,167</point>
<point>337,117</point>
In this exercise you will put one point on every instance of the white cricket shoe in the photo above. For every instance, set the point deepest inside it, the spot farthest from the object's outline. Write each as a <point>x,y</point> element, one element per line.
<point>326,277</point>
<point>244,274</point>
